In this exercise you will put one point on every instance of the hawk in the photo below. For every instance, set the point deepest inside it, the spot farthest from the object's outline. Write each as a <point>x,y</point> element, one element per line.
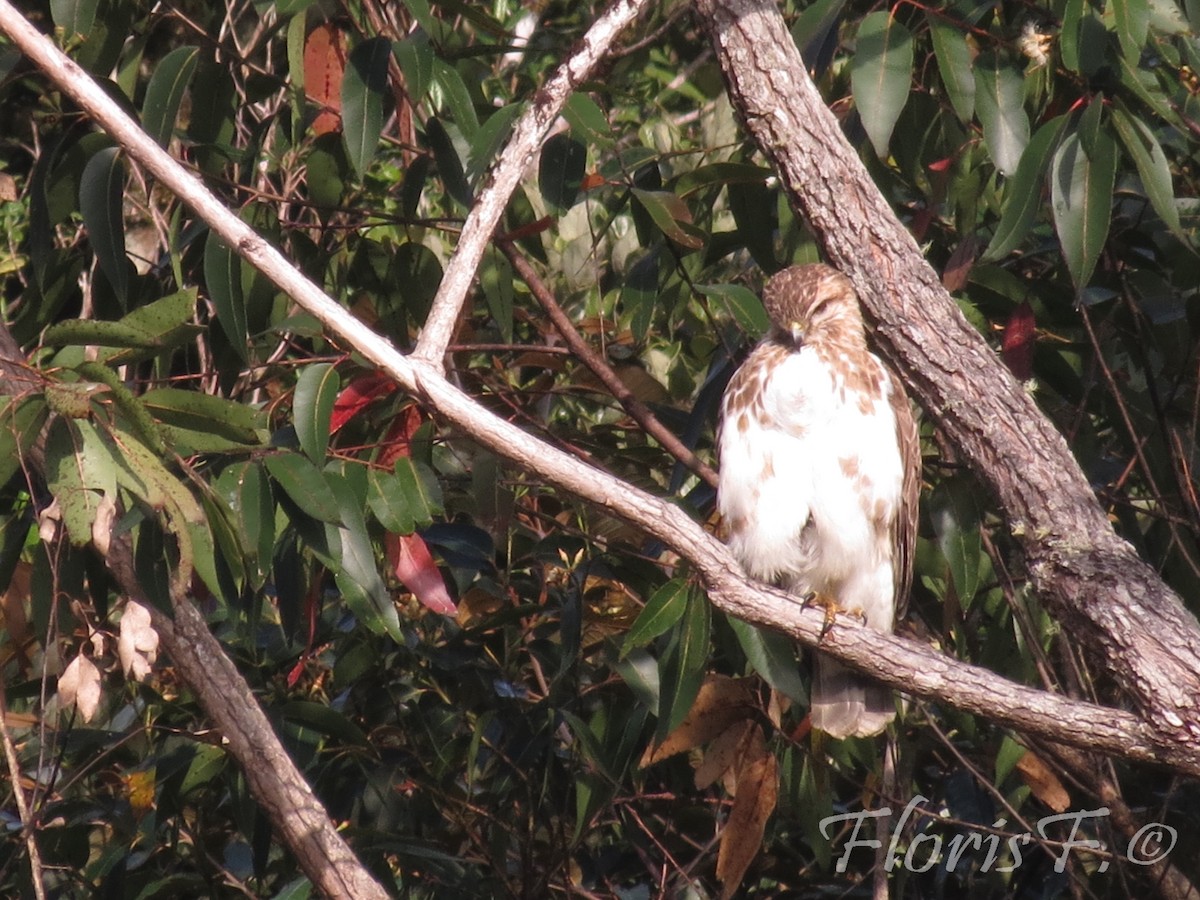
<point>820,475</point>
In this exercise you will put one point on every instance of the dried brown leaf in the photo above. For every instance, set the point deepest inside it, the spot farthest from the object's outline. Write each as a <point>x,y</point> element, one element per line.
<point>720,702</point>
<point>79,686</point>
<point>1043,782</point>
<point>758,790</point>
<point>722,753</point>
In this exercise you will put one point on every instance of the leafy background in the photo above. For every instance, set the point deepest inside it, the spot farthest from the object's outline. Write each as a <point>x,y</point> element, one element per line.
<point>471,668</point>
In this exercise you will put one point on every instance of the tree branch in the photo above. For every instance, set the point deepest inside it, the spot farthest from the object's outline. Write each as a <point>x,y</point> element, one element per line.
<point>527,136</point>
<point>601,369</point>
<point>1092,579</point>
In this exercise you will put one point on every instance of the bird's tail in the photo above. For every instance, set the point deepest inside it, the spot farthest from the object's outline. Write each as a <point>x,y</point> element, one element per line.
<point>845,704</point>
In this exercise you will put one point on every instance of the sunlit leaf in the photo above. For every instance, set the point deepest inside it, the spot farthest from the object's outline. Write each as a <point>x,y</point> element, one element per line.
<point>101,196</point>
<point>304,484</point>
<point>881,75</point>
<point>1133,22</point>
<point>413,564</point>
<point>1023,193</point>
<point>1081,189</point>
<point>223,277</point>
<point>999,102</point>
<point>664,608</point>
<point>164,93</point>
<point>953,53</point>
<point>672,217</point>
<point>1152,164</point>
<point>741,303</point>
<point>363,90</point>
<point>955,516</point>
<point>316,391</point>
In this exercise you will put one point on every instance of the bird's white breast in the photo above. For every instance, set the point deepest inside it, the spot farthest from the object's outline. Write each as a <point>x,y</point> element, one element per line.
<point>810,482</point>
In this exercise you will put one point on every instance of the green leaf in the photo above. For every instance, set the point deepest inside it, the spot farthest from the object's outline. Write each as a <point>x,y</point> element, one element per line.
<point>742,303</point>
<point>80,471</point>
<point>364,87</point>
<point>881,76</point>
<point>496,279</point>
<point>999,103</point>
<point>89,332</point>
<point>588,121</point>
<point>193,410</point>
<point>457,97</point>
<point>1083,39</point>
<point>101,194</point>
<point>21,421</point>
<point>773,656</point>
<point>74,17</point>
<point>255,507</point>
<point>164,93</point>
<point>326,720</point>
<point>304,484</point>
<point>449,164</point>
<point>387,499</point>
<point>955,517</point>
<point>490,139</point>
<point>560,172</point>
<point>223,277</point>
<point>1081,191</point>
<point>1152,165</point>
<point>672,217</point>
<point>953,54</point>
<point>753,206</point>
<point>316,390</point>
<point>639,291</point>
<point>416,62</point>
<point>166,320</point>
<point>683,665</point>
<point>358,577</point>
<point>664,608</point>
<point>1023,193</point>
<point>1133,23</point>
<point>422,493</point>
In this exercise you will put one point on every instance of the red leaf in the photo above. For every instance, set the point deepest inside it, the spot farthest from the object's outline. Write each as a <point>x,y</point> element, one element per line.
<point>398,441</point>
<point>324,66</point>
<point>1017,346</point>
<point>356,396</point>
<point>409,557</point>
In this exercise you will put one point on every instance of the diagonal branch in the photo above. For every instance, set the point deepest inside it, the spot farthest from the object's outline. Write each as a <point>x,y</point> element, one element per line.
<point>903,664</point>
<point>1093,580</point>
<point>638,410</point>
<point>526,141</point>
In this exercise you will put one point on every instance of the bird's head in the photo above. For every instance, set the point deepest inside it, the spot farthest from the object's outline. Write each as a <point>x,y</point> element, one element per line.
<point>803,300</point>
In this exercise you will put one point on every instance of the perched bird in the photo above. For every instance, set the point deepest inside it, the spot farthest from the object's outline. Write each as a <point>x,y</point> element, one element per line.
<point>820,475</point>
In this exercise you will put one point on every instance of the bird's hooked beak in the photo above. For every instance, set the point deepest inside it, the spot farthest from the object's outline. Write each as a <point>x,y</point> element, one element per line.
<point>798,330</point>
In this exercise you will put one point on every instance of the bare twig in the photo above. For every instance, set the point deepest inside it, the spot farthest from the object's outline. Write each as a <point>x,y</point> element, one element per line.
<point>527,136</point>
<point>602,370</point>
<point>28,831</point>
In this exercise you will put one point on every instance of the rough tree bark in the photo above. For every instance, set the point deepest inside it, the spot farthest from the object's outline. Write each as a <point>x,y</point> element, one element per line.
<point>1092,579</point>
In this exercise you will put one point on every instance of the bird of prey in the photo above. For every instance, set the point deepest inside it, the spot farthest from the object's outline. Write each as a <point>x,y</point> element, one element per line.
<point>820,476</point>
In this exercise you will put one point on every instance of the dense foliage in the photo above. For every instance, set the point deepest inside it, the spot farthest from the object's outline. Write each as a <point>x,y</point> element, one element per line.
<point>1039,153</point>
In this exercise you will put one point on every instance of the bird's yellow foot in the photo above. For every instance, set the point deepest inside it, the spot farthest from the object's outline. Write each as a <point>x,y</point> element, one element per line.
<point>812,598</point>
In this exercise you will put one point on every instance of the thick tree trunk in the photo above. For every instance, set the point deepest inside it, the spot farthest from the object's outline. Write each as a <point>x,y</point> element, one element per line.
<point>1091,579</point>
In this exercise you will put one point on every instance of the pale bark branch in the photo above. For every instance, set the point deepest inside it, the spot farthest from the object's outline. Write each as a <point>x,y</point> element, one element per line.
<point>1092,580</point>
<point>526,140</point>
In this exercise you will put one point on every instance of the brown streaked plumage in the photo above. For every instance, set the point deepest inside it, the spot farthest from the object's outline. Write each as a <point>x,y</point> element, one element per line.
<point>820,475</point>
